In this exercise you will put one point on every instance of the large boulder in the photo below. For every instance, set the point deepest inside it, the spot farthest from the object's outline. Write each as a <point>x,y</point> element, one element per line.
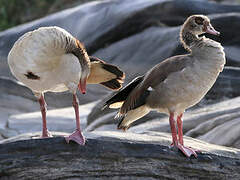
<point>206,123</point>
<point>62,120</point>
<point>112,155</point>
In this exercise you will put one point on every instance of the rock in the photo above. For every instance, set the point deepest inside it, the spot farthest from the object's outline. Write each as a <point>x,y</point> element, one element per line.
<point>205,123</point>
<point>108,127</point>
<point>230,129</point>
<point>28,136</point>
<point>4,114</point>
<point>62,120</point>
<point>18,104</point>
<point>112,155</point>
<point>6,133</point>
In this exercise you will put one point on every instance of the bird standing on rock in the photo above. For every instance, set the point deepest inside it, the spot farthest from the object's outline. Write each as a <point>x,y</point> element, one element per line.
<point>51,59</point>
<point>175,84</point>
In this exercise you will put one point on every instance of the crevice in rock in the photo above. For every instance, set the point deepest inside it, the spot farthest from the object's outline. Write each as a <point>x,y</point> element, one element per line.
<point>134,24</point>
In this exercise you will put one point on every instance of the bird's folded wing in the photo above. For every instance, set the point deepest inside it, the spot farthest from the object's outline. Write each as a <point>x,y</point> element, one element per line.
<point>154,77</point>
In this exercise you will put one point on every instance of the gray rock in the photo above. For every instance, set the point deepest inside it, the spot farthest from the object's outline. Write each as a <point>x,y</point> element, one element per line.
<point>62,120</point>
<point>112,155</point>
<point>7,133</point>
<point>228,131</point>
<point>207,123</point>
<point>4,114</point>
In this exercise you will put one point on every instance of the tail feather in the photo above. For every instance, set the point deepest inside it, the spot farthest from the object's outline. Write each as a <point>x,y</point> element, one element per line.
<point>114,70</point>
<point>135,112</point>
<point>105,74</point>
<point>131,116</point>
<point>117,100</point>
<point>133,99</point>
<point>113,84</point>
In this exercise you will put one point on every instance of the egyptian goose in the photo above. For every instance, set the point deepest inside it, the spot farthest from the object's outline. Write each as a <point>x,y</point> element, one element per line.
<point>51,59</point>
<point>175,84</point>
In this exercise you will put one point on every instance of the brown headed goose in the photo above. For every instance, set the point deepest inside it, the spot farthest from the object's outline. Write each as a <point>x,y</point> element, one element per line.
<point>51,59</point>
<point>175,84</point>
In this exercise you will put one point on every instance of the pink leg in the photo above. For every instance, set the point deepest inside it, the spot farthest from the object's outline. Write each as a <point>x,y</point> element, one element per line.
<point>43,105</point>
<point>173,129</point>
<point>179,125</point>
<point>186,150</point>
<point>77,134</point>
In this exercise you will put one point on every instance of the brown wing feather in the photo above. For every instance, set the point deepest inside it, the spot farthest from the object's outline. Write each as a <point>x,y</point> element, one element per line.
<point>154,77</point>
<point>105,74</point>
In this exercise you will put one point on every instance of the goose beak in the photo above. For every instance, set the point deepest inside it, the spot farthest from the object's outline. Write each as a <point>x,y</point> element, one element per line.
<point>82,85</point>
<point>211,30</point>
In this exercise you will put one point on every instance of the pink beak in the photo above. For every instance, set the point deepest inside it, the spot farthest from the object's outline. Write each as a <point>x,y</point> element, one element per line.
<point>82,85</point>
<point>211,30</point>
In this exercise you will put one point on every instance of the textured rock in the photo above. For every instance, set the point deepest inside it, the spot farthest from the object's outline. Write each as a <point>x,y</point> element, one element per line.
<point>206,123</point>
<point>6,133</point>
<point>112,155</point>
<point>62,120</point>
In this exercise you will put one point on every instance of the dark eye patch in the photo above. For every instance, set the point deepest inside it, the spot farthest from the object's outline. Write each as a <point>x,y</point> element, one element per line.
<point>199,20</point>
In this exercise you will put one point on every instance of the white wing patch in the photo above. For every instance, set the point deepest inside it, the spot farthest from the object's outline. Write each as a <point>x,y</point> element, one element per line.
<point>150,89</point>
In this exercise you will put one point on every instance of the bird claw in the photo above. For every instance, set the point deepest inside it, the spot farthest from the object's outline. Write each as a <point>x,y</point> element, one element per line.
<point>187,150</point>
<point>76,136</point>
<point>46,134</point>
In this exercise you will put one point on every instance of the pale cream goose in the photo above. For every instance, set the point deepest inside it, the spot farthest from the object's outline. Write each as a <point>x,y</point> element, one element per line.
<point>175,84</point>
<point>51,59</point>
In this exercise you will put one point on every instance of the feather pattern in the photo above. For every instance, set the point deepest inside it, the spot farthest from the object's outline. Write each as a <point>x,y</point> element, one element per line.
<point>105,74</point>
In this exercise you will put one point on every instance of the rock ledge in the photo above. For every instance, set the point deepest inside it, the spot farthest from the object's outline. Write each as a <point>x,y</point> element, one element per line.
<point>114,155</point>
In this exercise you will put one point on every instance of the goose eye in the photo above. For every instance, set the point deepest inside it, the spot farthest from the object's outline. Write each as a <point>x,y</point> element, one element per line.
<point>199,20</point>
<point>193,26</point>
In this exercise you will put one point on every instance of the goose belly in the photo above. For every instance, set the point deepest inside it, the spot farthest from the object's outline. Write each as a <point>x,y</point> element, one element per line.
<point>47,77</point>
<point>47,81</point>
<point>185,88</point>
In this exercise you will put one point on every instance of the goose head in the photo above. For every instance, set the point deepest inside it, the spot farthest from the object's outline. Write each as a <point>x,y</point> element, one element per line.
<point>199,24</point>
<point>194,26</point>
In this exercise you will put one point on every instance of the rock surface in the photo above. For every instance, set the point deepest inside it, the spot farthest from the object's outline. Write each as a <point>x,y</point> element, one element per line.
<point>111,155</point>
<point>207,123</point>
<point>62,120</point>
